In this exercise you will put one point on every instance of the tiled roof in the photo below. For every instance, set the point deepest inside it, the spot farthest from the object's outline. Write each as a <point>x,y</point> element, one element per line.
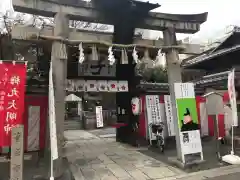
<point>208,56</point>
<point>216,51</point>
<point>199,83</point>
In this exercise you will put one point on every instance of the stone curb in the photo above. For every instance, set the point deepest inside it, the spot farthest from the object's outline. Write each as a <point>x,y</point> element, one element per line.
<point>231,169</point>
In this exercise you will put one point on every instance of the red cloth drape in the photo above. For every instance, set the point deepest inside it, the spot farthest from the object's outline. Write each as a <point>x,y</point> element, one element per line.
<point>12,92</point>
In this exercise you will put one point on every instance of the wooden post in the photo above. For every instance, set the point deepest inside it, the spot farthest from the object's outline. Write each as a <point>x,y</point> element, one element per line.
<point>59,68</point>
<point>174,76</point>
<point>17,151</point>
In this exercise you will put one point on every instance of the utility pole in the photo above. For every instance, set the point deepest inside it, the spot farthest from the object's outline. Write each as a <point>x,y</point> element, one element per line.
<point>174,76</point>
<point>59,68</point>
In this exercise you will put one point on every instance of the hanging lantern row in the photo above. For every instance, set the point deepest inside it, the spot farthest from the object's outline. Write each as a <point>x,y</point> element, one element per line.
<point>124,56</point>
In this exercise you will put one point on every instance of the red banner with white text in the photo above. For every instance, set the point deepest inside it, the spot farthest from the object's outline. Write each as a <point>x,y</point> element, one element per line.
<point>12,93</point>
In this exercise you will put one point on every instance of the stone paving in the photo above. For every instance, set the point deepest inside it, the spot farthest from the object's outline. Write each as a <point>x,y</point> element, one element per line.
<point>95,158</point>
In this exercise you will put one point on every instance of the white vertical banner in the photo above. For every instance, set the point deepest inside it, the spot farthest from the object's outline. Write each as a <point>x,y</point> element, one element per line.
<point>99,116</point>
<point>52,117</point>
<point>232,96</point>
<point>169,115</point>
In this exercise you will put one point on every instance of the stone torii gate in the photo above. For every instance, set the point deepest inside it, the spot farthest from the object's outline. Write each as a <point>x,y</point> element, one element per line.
<point>125,16</point>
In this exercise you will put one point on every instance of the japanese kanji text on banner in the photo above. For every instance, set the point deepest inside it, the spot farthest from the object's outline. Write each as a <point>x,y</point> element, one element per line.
<point>12,93</point>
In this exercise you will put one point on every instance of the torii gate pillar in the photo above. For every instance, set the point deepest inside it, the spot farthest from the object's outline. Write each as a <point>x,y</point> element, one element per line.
<point>174,76</point>
<point>59,70</point>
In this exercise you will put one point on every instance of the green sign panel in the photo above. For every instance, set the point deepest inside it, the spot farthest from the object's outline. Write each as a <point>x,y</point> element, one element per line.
<point>187,114</point>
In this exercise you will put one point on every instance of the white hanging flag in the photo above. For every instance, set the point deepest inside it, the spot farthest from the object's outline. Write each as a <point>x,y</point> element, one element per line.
<point>81,57</point>
<point>91,86</point>
<point>111,57</point>
<point>94,55</point>
<point>79,85</point>
<point>124,57</point>
<point>160,59</point>
<point>102,86</point>
<point>232,96</point>
<point>122,86</point>
<point>135,55</point>
<point>112,86</point>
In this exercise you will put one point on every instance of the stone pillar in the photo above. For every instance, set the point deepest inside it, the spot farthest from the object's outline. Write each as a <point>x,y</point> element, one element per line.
<point>59,65</point>
<point>174,76</point>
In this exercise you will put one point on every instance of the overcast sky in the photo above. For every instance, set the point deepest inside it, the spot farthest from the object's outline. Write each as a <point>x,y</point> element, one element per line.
<point>221,13</point>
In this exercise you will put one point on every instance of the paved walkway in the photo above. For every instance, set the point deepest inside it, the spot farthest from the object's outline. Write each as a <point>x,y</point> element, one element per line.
<point>95,158</point>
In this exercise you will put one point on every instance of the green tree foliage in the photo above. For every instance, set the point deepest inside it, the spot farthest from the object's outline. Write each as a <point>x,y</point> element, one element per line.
<point>156,74</point>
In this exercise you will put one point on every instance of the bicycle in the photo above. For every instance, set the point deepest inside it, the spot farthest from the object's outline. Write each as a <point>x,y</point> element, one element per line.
<point>158,131</point>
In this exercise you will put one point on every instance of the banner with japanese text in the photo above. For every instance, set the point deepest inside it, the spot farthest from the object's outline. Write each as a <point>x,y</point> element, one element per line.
<point>12,93</point>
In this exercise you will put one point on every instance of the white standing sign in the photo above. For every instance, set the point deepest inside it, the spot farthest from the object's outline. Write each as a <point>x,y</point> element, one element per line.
<point>190,138</point>
<point>169,115</point>
<point>152,113</point>
<point>191,142</point>
<point>232,96</point>
<point>99,116</point>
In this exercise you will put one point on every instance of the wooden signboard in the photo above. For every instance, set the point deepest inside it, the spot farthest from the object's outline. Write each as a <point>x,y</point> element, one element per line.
<point>17,151</point>
<point>97,68</point>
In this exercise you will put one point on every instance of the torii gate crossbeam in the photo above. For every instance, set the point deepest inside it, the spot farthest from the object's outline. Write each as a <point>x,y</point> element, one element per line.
<point>89,13</point>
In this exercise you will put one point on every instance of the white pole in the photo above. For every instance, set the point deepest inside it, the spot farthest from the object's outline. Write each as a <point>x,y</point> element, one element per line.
<point>51,175</point>
<point>232,152</point>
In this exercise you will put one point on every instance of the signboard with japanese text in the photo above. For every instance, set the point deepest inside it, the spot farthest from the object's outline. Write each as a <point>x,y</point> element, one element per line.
<point>17,151</point>
<point>190,139</point>
<point>12,93</point>
<point>97,68</point>
<point>153,114</point>
<point>99,116</point>
<point>169,115</point>
<point>96,86</point>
